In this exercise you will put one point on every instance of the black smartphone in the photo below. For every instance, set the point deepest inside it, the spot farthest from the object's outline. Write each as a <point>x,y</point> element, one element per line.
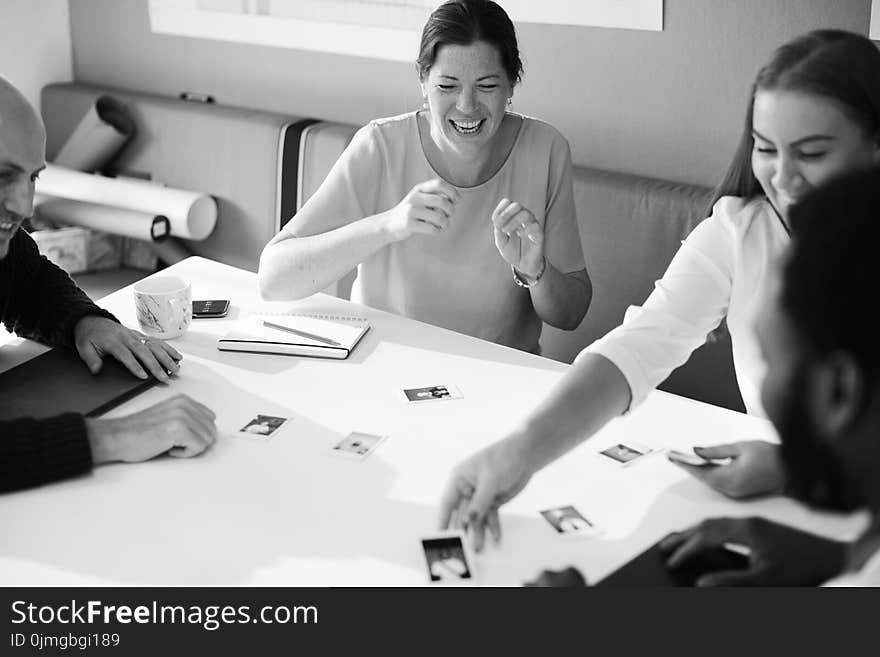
<point>210,308</point>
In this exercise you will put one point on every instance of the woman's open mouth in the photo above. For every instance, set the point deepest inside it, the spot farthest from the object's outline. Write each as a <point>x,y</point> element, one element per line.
<point>467,127</point>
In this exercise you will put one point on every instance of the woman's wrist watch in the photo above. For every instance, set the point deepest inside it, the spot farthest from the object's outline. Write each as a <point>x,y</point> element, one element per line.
<point>525,281</point>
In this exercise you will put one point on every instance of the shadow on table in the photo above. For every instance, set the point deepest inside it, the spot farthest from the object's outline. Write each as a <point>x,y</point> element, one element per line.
<point>246,510</point>
<point>201,341</point>
<point>455,344</point>
<point>680,506</point>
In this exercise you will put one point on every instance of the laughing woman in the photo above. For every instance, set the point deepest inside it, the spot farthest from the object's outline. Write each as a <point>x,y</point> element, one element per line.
<point>460,214</point>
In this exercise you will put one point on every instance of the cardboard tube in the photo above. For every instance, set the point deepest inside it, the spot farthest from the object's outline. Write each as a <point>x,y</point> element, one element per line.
<point>109,219</point>
<point>100,135</point>
<point>191,215</point>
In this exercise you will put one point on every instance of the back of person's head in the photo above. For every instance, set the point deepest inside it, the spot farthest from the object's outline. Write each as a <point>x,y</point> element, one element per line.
<point>830,277</point>
<point>826,399</point>
<point>463,22</point>
<point>834,64</point>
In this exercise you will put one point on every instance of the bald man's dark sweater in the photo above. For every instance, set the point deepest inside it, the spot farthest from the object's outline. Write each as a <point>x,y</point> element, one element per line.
<point>38,300</point>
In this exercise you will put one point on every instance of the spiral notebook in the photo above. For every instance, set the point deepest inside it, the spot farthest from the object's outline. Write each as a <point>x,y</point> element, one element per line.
<point>296,334</point>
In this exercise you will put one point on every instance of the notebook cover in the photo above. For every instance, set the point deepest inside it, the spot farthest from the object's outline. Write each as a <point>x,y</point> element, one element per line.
<point>59,382</point>
<point>281,348</point>
<point>251,336</point>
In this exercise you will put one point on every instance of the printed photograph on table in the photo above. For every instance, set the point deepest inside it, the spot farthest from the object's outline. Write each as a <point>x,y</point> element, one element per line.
<point>446,558</point>
<point>626,454</point>
<point>568,520</point>
<point>358,445</point>
<point>263,426</point>
<point>432,393</point>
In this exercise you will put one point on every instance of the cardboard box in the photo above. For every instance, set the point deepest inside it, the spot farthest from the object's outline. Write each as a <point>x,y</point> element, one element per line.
<point>76,249</point>
<point>66,247</point>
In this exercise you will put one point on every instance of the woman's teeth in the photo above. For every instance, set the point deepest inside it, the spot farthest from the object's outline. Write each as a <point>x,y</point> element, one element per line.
<point>467,127</point>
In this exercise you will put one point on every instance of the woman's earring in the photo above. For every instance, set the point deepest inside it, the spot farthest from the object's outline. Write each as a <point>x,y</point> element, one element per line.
<point>425,102</point>
<point>509,100</point>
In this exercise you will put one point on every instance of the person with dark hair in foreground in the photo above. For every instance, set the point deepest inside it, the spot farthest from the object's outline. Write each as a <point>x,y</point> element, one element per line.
<point>822,393</point>
<point>39,301</point>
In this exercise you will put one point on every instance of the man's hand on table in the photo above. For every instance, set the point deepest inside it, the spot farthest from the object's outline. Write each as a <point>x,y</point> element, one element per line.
<point>479,485</point>
<point>780,555</point>
<point>96,337</point>
<point>179,426</point>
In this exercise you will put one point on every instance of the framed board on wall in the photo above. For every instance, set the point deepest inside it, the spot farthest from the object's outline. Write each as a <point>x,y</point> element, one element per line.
<point>383,29</point>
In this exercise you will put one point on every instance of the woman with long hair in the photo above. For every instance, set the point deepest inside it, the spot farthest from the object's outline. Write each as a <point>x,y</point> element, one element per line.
<point>813,114</point>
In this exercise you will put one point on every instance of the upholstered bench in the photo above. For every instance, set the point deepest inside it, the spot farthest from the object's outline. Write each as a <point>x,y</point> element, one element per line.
<point>630,228</point>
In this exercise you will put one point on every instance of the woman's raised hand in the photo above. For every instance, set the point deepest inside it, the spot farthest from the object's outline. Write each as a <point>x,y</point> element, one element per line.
<point>519,237</point>
<point>426,209</point>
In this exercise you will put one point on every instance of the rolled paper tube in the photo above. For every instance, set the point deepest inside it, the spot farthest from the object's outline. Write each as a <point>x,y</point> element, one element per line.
<point>191,215</point>
<point>119,221</point>
<point>99,136</point>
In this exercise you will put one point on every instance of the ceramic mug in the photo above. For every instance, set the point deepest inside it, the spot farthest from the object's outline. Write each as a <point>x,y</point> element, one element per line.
<point>164,306</point>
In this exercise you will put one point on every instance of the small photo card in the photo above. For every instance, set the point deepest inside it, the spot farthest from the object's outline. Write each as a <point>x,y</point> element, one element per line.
<point>431,393</point>
<point>358,445</point>
<point>626,454</point>
<point>446,558</point>
<point>568,521</point>
<point>262,427</point>
<point>691,458</point>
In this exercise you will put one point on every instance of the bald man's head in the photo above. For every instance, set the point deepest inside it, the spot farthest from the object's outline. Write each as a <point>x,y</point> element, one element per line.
<point>17,116</point>
<point>22,156</point>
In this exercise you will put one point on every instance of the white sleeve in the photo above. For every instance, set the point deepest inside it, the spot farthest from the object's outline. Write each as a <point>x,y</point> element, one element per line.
<point>687,303</point>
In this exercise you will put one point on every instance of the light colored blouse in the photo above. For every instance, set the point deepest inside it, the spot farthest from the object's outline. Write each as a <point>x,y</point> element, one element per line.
<point>456,279</point>
<point>720,271</point>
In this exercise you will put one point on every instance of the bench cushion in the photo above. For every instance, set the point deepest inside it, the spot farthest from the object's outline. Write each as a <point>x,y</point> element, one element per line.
<point>630,229</point>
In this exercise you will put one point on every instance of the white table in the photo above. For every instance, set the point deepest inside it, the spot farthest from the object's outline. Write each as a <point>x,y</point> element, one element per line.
<point>288,512</point>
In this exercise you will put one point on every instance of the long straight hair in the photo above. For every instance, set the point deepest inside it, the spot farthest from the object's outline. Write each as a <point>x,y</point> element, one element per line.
<point>834,64</point>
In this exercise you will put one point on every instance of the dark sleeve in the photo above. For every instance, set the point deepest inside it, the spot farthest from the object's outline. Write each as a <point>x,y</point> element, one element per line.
<point>34,452</point>
<point>43,303</point>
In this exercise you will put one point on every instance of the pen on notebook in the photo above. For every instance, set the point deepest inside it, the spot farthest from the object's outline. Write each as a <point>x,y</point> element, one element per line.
<point>303,334</point>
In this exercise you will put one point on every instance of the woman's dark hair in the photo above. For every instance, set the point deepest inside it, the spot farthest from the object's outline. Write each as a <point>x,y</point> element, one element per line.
<point>463,22</point>
<point>838,65</point>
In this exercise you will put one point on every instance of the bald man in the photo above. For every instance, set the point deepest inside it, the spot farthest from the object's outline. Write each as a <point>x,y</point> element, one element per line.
<point>39,301</point>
